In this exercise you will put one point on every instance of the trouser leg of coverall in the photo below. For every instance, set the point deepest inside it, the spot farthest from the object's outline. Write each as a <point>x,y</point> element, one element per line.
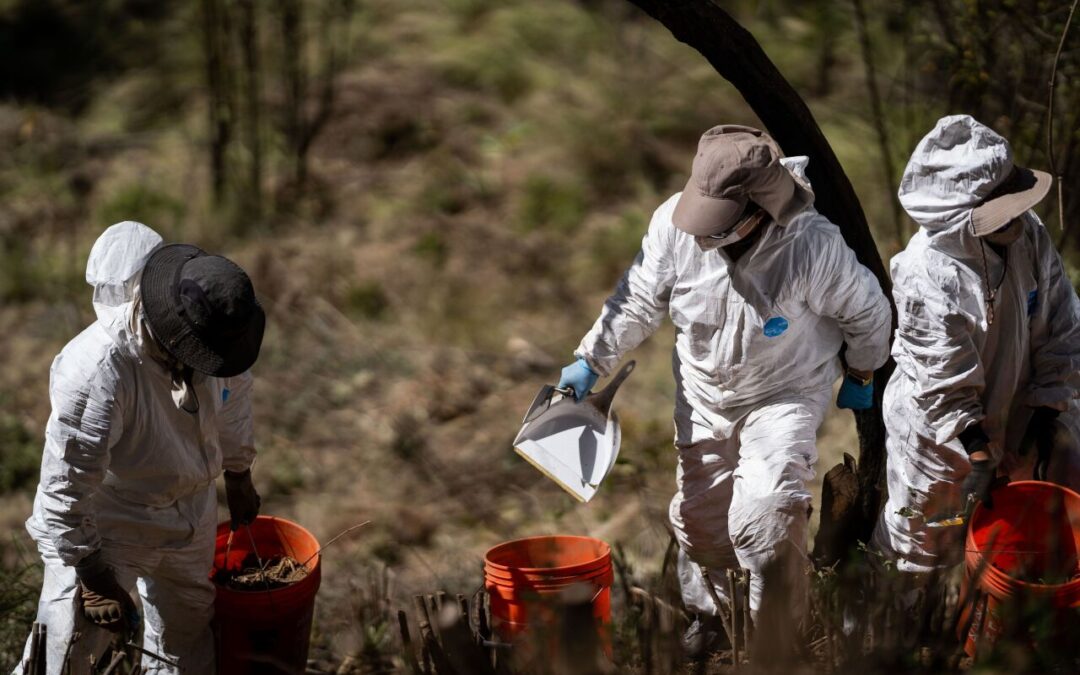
<point>178,602</point>
<point>770,504</point>
<point>699,517</point>
<point>743,502</point>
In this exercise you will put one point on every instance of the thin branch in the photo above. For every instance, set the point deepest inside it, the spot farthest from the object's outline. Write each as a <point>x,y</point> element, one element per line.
<point>1050,118</point>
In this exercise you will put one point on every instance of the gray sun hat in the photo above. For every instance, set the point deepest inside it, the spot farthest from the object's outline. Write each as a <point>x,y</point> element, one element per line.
<point>202,309</point>
<point>736,164</point>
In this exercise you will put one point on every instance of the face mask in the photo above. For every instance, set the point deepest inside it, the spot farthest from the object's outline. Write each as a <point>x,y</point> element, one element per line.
<point>184,378</point>
<point>742,229</point>
<point>1006,235</point>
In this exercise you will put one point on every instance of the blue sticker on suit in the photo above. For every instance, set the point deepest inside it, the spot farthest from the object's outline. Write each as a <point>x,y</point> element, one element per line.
<point>775,326</point>
<point>225,395</point>
<point>1033,301</point>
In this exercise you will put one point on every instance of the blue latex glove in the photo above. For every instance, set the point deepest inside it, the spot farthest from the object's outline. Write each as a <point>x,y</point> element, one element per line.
<point>855,395</point>
<point>579,377</point>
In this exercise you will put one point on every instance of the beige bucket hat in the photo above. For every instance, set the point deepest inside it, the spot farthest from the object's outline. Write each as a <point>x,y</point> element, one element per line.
<point>736,164</point>
<point>962,172</point>
<point>1019,192</point>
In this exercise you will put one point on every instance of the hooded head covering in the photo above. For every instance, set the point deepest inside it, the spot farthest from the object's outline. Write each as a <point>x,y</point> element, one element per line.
<point>115,265</point>
<point>961,179</point>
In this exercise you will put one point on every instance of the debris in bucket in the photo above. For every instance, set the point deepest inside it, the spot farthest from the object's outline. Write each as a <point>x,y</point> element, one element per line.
<point>279,571</point>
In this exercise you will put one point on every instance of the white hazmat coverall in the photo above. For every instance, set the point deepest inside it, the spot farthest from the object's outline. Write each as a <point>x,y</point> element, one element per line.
<point>756,355</point>
<point>126,472</point>
<point>954,368</point>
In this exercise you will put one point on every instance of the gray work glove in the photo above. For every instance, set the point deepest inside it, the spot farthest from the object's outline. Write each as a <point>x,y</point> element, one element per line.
<point>105,603</point>
<point>242,498</point>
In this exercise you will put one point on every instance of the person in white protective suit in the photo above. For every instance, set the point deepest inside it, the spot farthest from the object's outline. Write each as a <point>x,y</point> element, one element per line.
<point>763,292</point>
<point>987,347</point>
<point>149,405</point>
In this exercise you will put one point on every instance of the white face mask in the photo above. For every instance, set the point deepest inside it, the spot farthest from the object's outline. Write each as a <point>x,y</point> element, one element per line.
<point>1006,235</point>
<point>742,229</point>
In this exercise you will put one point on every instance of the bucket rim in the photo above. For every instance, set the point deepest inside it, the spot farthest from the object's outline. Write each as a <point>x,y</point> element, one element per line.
<point>974,555</point>
<point>1036,588</point>
<point>495,577</point>
<point>604,547</point>
<point>550,582</point>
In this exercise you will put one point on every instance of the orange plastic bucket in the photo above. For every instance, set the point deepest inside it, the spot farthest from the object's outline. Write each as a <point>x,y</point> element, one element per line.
<point>265,631</point>
<point>526,579</point>
<point>1025,550</point>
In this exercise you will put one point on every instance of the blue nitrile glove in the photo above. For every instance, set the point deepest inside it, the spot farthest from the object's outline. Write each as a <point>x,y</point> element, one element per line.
<point>854,395</point>
<point>579,377</point>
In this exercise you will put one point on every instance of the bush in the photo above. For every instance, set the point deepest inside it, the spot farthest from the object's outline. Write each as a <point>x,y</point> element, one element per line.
<point>21,453</point>
<point>432,247</point>
<point>490,66</point>
<point>367,300</point>
<point>159,210</point>
<point>19,588</point>
<point>549,203</point>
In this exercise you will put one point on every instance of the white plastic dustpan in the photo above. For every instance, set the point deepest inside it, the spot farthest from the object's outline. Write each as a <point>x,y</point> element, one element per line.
<point>574,444</point>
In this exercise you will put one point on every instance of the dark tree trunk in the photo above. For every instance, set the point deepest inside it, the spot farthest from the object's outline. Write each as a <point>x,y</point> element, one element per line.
<point>249,43</point>
<point>218,90</point>
<point>295,87</point>
<point>739,59</point>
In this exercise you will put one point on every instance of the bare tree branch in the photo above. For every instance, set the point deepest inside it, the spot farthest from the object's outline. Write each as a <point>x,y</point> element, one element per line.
<point>1050,153</point>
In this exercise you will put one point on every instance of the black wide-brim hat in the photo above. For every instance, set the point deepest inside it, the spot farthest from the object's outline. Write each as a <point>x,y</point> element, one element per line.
<point>202,309</point>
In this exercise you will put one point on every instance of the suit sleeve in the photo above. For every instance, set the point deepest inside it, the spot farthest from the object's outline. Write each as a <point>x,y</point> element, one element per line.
<point>935,347</point>
<point>640,301</point>
<point>237,429</point>
<point>841,288</point>
<point>88,401</point>
<point>1055,331</point>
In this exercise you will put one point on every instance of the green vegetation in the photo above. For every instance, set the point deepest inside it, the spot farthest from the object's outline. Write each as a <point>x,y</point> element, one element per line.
<point>22,455</point>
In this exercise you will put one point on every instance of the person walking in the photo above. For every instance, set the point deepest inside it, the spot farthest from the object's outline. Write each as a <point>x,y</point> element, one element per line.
<point>763,292</point>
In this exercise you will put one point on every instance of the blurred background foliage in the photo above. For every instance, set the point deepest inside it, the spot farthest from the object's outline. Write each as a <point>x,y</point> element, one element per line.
<point>433,198</point>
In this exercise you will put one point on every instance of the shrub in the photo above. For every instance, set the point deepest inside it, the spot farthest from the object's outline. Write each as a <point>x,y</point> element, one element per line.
<point>549,203</point>
<point>432,247</point>
<point>367,300</point>
<point>21,453</point>
<point>139,202</point>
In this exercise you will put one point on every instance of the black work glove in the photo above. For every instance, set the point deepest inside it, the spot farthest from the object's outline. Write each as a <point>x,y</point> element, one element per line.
<point>105,603</point>
<point>1042,428</point>
<point>980,481</point>
<point>242,498</point>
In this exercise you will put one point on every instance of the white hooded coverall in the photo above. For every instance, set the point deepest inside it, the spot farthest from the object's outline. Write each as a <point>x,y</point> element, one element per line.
<point>756,354</point>
<point>954,368</point>
<point>126,472</point>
